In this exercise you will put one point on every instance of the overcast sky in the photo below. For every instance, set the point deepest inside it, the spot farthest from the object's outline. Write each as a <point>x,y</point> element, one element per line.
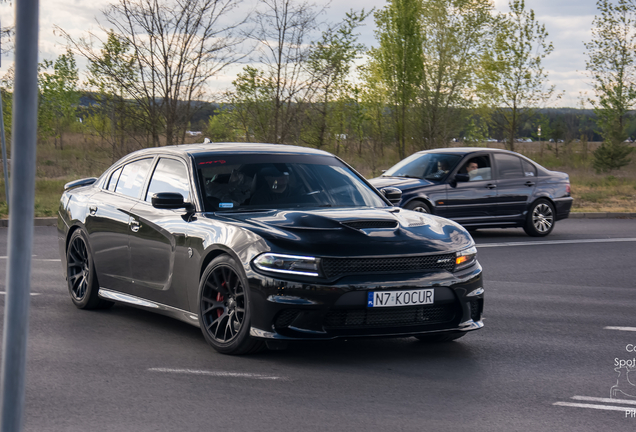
<point>567,21</point>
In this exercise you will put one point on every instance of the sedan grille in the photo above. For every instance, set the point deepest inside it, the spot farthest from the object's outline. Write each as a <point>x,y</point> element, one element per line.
<point>389,317</point>
<point>337,267</point>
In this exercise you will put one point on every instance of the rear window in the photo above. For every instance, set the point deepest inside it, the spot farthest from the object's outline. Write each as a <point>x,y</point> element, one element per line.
<point>132,178</point>
<point>270,181</point>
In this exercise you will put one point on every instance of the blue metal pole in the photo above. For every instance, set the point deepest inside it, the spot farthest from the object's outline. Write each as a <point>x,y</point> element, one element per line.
<point>16,309</point>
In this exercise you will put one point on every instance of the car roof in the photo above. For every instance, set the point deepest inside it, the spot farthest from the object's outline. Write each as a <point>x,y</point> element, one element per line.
<point>201,150</point>
<point>465,150</point>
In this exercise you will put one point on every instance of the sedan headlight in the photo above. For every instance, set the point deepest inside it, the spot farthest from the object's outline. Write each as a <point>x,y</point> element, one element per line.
<point>465,258</point>
<point>288,264</point>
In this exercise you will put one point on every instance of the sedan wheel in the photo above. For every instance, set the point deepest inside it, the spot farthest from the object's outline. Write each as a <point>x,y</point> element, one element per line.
<point>418,206</point>
<point>80,274</point>
<point>225,310</point>
<point>540,221</point>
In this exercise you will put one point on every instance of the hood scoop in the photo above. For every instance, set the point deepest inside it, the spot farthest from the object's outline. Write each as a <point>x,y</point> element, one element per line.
<point>371,224</point>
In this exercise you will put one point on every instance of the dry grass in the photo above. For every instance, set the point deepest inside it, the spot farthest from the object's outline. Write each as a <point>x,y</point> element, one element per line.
<point>88,156</point>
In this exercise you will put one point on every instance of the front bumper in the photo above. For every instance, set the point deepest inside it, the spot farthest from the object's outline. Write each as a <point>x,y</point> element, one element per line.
<point>291,310</point>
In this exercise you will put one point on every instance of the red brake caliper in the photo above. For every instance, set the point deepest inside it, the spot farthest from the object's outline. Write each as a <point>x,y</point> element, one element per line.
<point>219,298</point>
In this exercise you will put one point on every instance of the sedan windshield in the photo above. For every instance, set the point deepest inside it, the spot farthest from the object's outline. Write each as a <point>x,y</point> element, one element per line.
<point>270,181</point>
<point>429,166</point>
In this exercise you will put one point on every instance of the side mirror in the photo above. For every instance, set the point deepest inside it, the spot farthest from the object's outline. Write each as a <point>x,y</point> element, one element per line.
<point>168,200</point>
<point>462,177</point>
<point>394,195</point>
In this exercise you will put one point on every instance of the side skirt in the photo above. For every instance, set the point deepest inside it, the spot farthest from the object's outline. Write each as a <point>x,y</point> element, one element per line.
<point>140,303</point>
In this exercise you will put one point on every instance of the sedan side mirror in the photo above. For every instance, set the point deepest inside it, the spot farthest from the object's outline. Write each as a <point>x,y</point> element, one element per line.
<point>462,177</point>
<point>394,195</point>
<point>168,200</point>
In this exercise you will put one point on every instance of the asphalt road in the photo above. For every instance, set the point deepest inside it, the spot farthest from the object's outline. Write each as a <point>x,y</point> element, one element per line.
<point>543,362</point>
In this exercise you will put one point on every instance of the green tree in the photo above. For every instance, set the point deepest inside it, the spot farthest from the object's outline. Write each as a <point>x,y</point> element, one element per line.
<point>59,96</point>
<point>397,61</point>
<point>111,74</point>
<point>453,38</point>
<point>513,80</point>
<point>329,65</point>
<point>611,65</point>
<point>253,101</point>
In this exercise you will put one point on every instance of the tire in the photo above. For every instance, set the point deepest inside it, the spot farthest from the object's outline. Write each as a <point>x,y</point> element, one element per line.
<point>81,277</point>
<point>225,308</point>
<point>440,338</point>
<point>540,219</point>
<point>418,206</point>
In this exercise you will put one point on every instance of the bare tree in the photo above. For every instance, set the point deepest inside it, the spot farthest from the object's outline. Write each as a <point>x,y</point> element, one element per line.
<point>176,47</point>
<point>283,28</point>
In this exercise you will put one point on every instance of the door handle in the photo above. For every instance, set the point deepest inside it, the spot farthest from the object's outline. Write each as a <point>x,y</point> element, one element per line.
<point>134,225</point>
<point>529,183</point>
<point>92,209</point>
<point>491,186</point>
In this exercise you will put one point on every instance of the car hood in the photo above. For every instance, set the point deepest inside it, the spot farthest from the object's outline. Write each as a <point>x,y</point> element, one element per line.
<point>353,232</point>
<point>399,182</point>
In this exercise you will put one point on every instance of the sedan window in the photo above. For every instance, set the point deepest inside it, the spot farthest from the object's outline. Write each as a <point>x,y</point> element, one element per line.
<point>508,166</point>
<point>112,183</point>
<point>170,176</point>
<point>132,178</point>
<point>429,166</point>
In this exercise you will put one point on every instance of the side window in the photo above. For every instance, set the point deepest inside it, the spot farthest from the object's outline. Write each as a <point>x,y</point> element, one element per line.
<point>508,166</point>
<point>112,182</point>
<point>132,178</point>
<point>477,168</point>
<point>169,176</point>
<point>529,170</point>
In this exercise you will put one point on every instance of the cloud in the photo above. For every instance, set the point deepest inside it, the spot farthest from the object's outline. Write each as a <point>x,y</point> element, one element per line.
<point>567,21</point>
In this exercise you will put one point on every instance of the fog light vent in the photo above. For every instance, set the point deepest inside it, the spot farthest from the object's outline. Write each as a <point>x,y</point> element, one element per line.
<point>285,318</point>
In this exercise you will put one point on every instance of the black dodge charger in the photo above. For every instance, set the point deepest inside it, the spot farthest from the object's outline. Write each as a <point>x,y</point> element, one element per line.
<point>481,188</point>
<point>258,244</point>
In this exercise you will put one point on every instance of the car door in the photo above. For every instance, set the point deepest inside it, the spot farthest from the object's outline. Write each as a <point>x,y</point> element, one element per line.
<point>157,242</point>
<point>473,201</point>
<point>516,181</point>
<point>108,224</point>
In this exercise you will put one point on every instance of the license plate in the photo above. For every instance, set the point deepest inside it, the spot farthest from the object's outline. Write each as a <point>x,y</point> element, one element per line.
<point>400,298</point>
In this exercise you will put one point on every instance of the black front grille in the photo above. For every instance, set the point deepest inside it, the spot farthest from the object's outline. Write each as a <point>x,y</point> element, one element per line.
<point>371,224</point>
<point>336,267</point>
<point>389,317</point>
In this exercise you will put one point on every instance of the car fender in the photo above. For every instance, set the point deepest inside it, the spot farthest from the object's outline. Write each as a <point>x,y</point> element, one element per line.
<point>423,198</point>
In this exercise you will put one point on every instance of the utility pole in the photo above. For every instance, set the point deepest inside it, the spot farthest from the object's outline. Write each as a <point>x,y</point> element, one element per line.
<point>18,282</point>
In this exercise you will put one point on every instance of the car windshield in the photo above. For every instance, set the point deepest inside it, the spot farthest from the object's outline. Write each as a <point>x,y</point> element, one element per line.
<point>274,181</point>
<point>429,166</point>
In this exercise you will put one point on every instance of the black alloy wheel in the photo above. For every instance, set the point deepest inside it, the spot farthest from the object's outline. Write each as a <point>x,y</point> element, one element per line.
<point>540,219</point>
<point>80,274</point>
<point>418,206</point>
<point>224,313</point>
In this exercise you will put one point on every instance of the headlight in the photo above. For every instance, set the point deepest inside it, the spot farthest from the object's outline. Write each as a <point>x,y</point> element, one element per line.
<point>465,258</point>
<point>288,264</point>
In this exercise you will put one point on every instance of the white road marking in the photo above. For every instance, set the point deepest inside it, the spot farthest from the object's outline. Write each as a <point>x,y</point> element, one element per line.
<point>216,373</point>
<point>620,328</point>
<point>556,242</point>
<point>592,406</point>
<point>33,294</point>
<point>38,259</point>
<point>608,400</point>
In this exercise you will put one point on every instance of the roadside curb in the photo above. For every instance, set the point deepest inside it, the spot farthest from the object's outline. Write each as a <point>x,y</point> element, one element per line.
<point>52,221</point>
<point>602,215</point>
<point>38,221</point>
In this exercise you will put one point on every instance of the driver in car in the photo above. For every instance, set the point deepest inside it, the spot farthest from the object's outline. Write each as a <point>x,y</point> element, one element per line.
<point>275,188</point>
